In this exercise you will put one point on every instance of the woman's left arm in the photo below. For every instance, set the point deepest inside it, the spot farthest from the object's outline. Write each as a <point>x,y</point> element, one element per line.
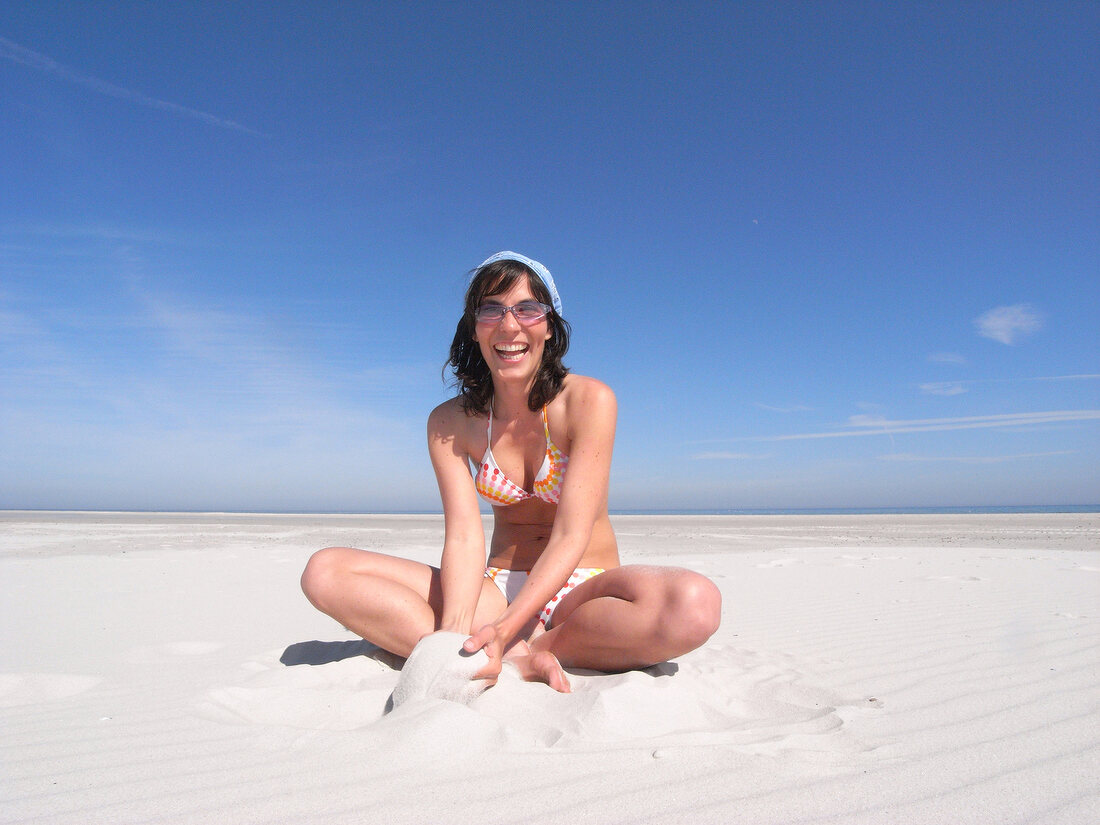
<point>591,412</point>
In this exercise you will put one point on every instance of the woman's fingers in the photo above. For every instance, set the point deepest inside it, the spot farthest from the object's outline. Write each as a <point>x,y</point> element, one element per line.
<point>479,639</point>
<point>486,639</point>
<point>490,673</point>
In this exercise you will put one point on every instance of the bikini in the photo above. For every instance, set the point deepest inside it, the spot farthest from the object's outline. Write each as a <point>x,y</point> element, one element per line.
<point>510,582</point>
<point>496,488</point>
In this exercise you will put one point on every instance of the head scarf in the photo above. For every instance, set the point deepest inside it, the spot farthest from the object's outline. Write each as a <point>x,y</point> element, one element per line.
<point>534,266</point>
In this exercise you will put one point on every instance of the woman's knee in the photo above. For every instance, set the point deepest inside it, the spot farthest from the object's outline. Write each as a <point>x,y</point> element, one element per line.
<point>322,571</point>
<point>693,608</point>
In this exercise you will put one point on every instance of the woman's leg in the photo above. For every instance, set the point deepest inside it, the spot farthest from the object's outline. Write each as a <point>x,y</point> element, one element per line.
<point>631,617</point>
<point>389,601</point>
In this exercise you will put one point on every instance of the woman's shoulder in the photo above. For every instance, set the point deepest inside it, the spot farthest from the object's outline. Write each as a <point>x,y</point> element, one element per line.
<point>586,389</point>
<point>583,396</point>
<point>450,418</point>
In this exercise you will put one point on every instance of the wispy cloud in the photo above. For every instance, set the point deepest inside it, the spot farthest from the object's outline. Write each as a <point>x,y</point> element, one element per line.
<point>947,358</point>
<point>864,425</point>
<point>223,392</point>
<point>788,409</point>
<point>877,425</point>
<point>1008,323</point>
<point>15,325</point>
<point>961,386</point>
<point>944,388</point>
<point>1092,376</point>
<point>726,456</point>
<point>87,231</point>
<point>15,53</point>
<point>981,459</point>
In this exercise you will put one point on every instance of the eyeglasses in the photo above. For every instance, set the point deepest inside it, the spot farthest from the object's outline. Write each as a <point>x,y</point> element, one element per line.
<point>526,312</point>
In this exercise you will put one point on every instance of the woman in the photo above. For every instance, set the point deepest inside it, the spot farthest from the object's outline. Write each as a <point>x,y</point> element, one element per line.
<point>553,593</point>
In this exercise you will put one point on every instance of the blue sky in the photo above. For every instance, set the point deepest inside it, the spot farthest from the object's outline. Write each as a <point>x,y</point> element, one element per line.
<point>827,255</point>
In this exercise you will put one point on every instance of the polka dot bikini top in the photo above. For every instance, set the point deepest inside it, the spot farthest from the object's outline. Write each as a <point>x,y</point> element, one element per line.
<point>497,488</point>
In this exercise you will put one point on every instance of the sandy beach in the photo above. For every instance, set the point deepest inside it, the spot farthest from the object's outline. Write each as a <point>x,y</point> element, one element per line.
<point>869,669</point>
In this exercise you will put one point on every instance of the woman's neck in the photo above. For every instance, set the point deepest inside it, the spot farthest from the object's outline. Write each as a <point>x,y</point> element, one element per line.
<point>510,404</point>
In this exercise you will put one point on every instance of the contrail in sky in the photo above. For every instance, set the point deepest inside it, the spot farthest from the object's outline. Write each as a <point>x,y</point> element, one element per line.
<point>870,425</point>
<point>20,54</point>
<point>864,425</point>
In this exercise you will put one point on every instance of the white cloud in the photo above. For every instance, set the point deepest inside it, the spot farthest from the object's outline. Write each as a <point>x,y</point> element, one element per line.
<point>959,387</point>
<point>40,62</point>
<point>879,425</point>
<point>85,231</point>
<point>725,456</point>
<point>168,403</point>
<point>790,409</point>
<point>944,388</point>
<point>15,325</point>
<point>947,358</point>
<point>1081,377</point>
<point>1007,323</point>
<point>965,459</point>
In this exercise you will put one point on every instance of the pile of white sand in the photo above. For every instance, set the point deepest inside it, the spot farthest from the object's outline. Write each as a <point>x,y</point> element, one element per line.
<point>869,669</point>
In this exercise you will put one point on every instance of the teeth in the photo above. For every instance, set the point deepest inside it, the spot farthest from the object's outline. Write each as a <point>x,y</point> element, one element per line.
<point>511,352</point>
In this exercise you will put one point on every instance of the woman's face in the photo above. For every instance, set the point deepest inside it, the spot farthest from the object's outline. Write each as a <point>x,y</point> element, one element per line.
<point>512,350</point>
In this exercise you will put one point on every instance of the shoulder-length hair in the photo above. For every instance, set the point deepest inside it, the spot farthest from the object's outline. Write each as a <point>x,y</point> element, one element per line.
<point>472,377</point>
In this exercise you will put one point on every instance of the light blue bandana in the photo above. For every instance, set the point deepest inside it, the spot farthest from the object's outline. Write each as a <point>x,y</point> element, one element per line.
<point>534,266</point>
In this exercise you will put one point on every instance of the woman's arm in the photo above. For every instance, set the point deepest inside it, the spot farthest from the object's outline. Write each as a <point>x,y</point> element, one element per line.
<point>592,411</point>
<point>463,564</point>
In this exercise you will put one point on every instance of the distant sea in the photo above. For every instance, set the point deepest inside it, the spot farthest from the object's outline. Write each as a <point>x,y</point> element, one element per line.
<point>774,511</point>
<point>869,511</point>
<point>744,511</point>
<point>822,511</point>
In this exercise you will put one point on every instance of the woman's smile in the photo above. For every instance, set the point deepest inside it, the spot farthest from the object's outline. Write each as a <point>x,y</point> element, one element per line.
<point>508,342</point>
<point>511,352</point>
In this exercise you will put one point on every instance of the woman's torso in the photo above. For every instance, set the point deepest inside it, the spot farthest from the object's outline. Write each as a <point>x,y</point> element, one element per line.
<point>521,530</point>
<point>517,545</point>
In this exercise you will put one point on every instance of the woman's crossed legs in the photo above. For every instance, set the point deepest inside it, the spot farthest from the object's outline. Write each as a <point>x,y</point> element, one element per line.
<point>625,618</point>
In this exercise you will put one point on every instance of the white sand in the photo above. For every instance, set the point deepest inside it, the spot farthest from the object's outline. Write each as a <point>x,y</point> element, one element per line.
<point>438,668</point>
<point>887,669</point>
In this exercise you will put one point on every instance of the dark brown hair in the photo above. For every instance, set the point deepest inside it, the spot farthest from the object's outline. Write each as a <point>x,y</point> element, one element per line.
<point>472,377</point>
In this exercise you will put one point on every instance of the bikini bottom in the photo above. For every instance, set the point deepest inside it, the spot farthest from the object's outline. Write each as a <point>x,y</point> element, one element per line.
<point>509,583</point>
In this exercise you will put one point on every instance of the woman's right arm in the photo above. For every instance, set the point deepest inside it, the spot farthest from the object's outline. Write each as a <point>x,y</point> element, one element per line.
<point>463,565</point>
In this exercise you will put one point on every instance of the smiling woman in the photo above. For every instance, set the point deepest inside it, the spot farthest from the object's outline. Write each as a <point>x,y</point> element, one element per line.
<point>553,593</point>
<point>491,282</point>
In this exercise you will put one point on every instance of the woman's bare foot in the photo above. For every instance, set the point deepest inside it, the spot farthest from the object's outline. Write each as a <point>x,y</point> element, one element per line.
<point>538,667</point>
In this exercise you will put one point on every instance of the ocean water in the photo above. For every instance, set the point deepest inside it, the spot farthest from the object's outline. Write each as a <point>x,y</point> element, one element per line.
<point>774,511</point>
<point>745,511</point>
<point>867,511</point>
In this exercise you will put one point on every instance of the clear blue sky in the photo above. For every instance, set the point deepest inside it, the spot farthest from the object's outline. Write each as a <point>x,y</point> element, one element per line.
<point>827,254</point>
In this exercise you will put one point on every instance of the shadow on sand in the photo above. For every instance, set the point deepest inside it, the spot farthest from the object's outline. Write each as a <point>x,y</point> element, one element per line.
<point>324,653</point>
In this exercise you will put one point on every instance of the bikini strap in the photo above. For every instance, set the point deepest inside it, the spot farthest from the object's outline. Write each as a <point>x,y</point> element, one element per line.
<point>546,425</point>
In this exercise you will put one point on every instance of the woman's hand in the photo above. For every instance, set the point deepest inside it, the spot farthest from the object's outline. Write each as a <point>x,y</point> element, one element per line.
<point>488,638</point>
<point>542,666</point>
